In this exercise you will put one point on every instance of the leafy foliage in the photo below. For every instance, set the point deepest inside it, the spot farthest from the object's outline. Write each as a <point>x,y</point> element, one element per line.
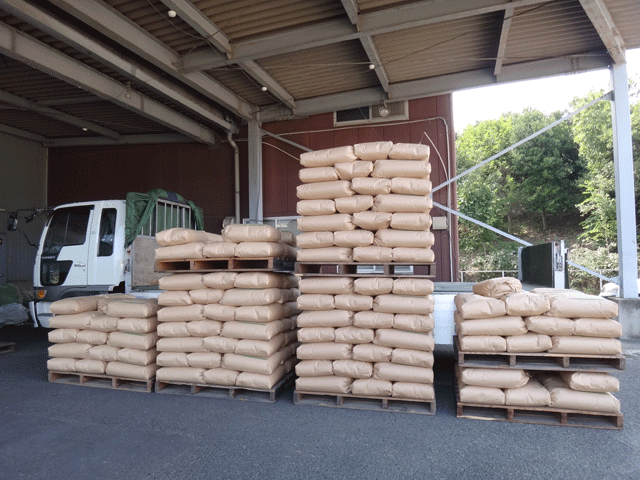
<point>565,175</point>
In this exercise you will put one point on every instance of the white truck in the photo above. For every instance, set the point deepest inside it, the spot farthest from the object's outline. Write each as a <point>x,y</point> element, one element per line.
<point>105,246</point>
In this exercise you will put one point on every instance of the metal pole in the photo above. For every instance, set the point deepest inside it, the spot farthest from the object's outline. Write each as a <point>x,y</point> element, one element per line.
<point>625,192</point>
<point>256,211</point>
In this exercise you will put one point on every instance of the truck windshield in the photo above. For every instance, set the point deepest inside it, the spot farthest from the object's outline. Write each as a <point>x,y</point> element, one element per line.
<point>68,226</point>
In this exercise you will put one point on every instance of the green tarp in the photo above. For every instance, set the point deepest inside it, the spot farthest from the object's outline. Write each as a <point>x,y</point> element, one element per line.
<point>140,209</point>
<point>9,294</point>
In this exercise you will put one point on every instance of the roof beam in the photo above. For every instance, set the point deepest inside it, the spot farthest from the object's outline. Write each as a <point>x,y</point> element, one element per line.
<point>439,85</point>
<point>369,24</point>
<point>205,27</point>
<point>123,140</point>
<point>374,57</point>
<point>351,7</point>
<point>25,49</point>
<point>597,12</point>
<point>16,132</point>
<point>202,24</point>
<point>260,75</point>
<point>59,102</point>
<point>427,12</point>
<point>326,33</point>
<point>116,26</point>
<point>502,43</point>
<point>71,36</point>
<point>24,104</point>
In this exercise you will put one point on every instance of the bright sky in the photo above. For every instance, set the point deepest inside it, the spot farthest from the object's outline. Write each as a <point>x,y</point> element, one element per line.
<point>548,94</point>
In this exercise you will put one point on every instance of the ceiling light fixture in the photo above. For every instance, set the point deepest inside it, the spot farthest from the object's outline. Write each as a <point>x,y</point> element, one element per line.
<point>372,66</point>
<point>172,13</point>
<point>85,129</point>
<point>384,111</point>
<point>264,89</point>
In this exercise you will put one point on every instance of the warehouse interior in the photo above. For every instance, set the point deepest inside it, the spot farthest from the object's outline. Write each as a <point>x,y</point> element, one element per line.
<point>217,100</point>
<point>101,97</point>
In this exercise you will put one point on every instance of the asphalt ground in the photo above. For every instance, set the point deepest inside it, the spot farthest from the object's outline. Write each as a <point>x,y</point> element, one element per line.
<point>54,431</point>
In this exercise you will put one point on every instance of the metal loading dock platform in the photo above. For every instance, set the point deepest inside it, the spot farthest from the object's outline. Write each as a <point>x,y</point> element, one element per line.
<point>58,431</point>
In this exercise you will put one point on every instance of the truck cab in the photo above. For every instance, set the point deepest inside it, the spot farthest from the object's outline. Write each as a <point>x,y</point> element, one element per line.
<point>81,252</point>
<point>99,247</point>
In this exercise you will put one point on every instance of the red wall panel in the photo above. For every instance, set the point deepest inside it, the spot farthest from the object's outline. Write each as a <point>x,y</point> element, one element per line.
<point>198,172</point>
<point>206,174</point>
<point>280,171</point>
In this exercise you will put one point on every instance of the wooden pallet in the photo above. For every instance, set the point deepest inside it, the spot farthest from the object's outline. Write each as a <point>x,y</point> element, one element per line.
<point>269,264</point>
<point>538,361</point>
<point>538,415</point>
<point>102,381</point>
<point>349,269</point>
<point>6,347</point>
<point>222,391</point>
<point>387,404</point>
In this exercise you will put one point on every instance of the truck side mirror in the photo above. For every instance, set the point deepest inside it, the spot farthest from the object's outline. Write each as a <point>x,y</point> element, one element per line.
<point>12,223</point>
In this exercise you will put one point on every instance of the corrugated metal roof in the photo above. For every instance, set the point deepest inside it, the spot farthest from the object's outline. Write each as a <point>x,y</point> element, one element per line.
<point>241,19</point>
<point>366,6</point>
<point>114,117</point>
<point>438,49</point>
<point>240,83</point>
<point>23,81</point>
<point>626,16</point>
<point>322,71</point>
<point>152,16</point>
<point>32,122</point>
<point>550,30</point>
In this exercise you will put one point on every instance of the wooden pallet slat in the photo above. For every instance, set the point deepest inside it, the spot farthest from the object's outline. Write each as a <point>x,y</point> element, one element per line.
<point>541,416</point>
<point>102,381</point>
<point>276,264</point>
<point>389,404</point>
<point>6,347</point>
<point>537,415</point>
<point>227,391</point>
<point>538,361</point>
<point>349,269</point>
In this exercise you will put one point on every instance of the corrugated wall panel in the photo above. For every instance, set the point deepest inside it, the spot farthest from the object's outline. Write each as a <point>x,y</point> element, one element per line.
<point>280,170</point>
<point>197,172</point>
<point>23,167</point>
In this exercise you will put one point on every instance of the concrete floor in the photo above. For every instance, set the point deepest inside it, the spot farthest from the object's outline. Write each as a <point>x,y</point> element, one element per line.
<point>53,431</point>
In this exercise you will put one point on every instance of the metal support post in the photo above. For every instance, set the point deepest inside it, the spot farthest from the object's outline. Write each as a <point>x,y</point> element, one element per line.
<point>255,171</point>
<point>625,192</point>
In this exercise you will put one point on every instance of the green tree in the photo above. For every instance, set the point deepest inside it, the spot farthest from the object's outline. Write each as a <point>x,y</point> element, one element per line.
<point>592,131</point>
<point>546,169</point>
<point>481,194</point>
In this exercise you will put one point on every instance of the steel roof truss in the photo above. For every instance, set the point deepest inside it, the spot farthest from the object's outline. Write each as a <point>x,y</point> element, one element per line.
<point>108,21</point>
<point>24,104</point>
<point>341,30</point>
<point>502,44</point>
<point>16,132</point>
<point>67,34</point>
<point>599,15</point>
<point>25,49</point>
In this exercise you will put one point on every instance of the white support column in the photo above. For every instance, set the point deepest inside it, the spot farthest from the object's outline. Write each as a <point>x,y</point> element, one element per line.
<point>255,171</point>
<point>625,192</point>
